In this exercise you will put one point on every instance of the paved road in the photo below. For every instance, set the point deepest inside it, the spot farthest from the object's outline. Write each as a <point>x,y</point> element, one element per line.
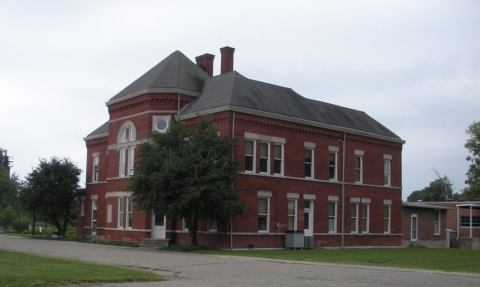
<point>185,269</point>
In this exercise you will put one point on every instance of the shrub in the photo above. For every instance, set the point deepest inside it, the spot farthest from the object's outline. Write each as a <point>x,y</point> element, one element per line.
<point>7,216</point>
<point>20,223</point>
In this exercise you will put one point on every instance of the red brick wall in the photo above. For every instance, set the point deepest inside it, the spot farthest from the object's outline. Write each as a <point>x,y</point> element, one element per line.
<point>425,223</point>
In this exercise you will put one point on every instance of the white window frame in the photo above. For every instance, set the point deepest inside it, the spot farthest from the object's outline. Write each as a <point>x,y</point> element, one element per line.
<point>411,227</point>
<point>260,157</point>
<point>281,159</point>
<point>121,224</point>
<point>389,224</point>
<point>312,169</point>
<point>262,214</point>
<point>94,221</point>
<point>294,215</point>
<point>109,213</point>
<point>212,225</point>
<point>95,168</point>
<point>121,163</point>
<point>335,178</point>
<point>360,168</point>
<point>184,225</point>
<point>437,222</point>
<point>131,160</point>
<point>354,216</point>
<point>254,162</point>
<point>334,217</point>
<point>128,212</point>
<point>367,219</point>
<point>387,171</point>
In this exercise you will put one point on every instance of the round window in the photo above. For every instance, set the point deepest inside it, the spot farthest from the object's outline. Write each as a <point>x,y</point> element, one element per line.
<point>162,124</point>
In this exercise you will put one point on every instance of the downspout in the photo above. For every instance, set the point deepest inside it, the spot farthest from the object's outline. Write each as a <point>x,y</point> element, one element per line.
<point>178,105</point>
<point>343,188</point>
<point>233,157</point>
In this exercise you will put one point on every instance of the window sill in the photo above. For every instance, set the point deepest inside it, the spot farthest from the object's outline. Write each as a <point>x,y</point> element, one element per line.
<point>263,231</point>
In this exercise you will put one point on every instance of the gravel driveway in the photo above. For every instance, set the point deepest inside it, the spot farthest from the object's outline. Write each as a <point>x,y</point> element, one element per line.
<point>186,269</point>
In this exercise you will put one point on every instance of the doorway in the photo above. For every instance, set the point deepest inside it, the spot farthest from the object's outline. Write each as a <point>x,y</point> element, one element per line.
<point>158,226</point>
<point>308,218</point>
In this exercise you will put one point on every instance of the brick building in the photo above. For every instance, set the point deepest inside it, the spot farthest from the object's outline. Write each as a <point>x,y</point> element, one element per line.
<point>329,172</point>
<point>424,224</point>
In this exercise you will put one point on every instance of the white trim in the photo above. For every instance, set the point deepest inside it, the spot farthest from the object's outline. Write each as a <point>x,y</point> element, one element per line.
<point>254,157</point>
<point>335,178</point>
<point>292,195</point>
<point>332,198</point>
<point>411,227</point>
<point>98,182</point>
<point>389,229</point>
<point>333,148</point>
<point>309,196</point>
<point>94,196</point>
<point>359,152</point>
<point>316,180</point>
<point>356,203</point>
<point>312,164</point>
<point>121,229</point>
<point>264,138</point>
<point>267,230</point>
<point>362,234</point>
<point>367,225</point>
<point>151,91</point>
<point>262,193</point>
<point>117,194</point>
<point>268,157</point>
<point>335,216</point>
<point>366,200</point>
<point>142,113</point>
<point>360,156</point>
<point>387,156</point>
<point>354,199</point>
<point>389,174</point>
<point>387,201</point>
<point>291,119</point>
<point>282,152</point>
<point>295,213</point>
<point>155,118</point>
<point>309,145</point>
<point>438,211</point>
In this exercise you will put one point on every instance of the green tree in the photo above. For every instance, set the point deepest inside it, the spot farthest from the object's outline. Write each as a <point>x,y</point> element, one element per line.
<point>188,172</point>
<point>472,192</point>
<point>8,189</point>
<point>438,190</point>
<point>50,191</point>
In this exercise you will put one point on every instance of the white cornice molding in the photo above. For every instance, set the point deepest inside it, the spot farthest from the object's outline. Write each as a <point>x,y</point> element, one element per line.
<point>153,90</point>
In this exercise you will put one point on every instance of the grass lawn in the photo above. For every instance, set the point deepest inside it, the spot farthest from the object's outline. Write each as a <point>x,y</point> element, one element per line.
<point>21,269</point>
<point>452,260</point>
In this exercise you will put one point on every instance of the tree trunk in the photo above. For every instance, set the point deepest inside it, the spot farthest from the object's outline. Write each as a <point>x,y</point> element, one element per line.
<point>33,222</point>
<point>193,231</point>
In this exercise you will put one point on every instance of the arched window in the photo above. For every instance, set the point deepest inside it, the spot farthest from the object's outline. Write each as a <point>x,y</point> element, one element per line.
<point>127,132</point>
<point>126,148</point>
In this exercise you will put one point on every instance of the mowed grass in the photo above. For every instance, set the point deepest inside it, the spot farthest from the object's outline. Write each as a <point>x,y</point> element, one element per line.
<point>21,269</point>
<point>450,260</point>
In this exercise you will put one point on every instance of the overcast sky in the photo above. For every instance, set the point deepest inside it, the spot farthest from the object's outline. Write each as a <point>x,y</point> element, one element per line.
<point>412,65</point>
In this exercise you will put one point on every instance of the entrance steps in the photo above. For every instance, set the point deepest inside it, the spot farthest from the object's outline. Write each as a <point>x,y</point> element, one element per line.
<point>155,243</point>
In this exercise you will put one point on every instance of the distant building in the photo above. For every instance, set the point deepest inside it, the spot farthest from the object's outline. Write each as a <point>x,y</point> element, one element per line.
<point>331,173</point>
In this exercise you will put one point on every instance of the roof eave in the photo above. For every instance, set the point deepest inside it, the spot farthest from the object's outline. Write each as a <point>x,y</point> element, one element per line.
<point>291,119</point>
<point>153,90</point>
<point>97,136</point>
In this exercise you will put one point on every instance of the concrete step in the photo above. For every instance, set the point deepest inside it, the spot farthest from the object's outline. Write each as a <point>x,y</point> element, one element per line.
<point>155,243</point>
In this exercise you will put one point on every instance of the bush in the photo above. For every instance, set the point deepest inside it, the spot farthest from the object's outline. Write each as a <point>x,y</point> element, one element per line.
<point>7,216</point>
<point>20,223</point>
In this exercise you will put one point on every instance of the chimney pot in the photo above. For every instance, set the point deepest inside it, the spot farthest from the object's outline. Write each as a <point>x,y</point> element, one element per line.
<point>227,59</point>
<point>205,62</point>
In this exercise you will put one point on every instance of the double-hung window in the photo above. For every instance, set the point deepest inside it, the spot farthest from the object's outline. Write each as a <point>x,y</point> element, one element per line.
<point>278,159</point>
<point>292,215</point>
<point>126,149</point>
<point>358,168</point>
<point>387,166</point>
<point>123,152</point>
<point>211,225</point>
<point>121,212</point>
<point>131,157</point>
<point>387,214</point>
<point>96,160</point>
<point>332,165</point>
<point>249,155</point>
<point>365,217</point>
<point>332,217</point>
<point>354,217</point>
<point>264,157</point>
<point>129,212</point>
<point>263,214</point>
<point>436,223</point>
<point>308,163</point>
<point>125,212</point>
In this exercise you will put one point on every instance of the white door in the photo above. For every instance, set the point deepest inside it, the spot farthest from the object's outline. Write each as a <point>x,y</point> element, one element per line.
<point>308,218</point>
<point>158,226</point>
<point>414,228</point>
<point>94,217</point>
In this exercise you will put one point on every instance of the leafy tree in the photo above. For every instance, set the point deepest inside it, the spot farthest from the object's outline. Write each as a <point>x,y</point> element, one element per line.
<point>50,191</point>
<point>472,192</point>
<point>188,172</point>
<point>8,189</point>
<point>438,190</point>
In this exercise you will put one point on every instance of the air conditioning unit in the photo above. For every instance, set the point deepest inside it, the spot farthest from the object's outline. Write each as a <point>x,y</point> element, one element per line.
<point>294,239</point>
<point>309,242</point>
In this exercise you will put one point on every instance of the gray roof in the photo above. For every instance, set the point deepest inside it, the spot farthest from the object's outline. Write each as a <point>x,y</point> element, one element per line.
<point>174,72</point>
<point>233,89</point>
<point>424,205</point>
<point>100,131</point>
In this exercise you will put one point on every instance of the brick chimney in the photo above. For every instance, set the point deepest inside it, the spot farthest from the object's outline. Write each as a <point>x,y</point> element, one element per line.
<point>227,59</point>
<point>205,62</point>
